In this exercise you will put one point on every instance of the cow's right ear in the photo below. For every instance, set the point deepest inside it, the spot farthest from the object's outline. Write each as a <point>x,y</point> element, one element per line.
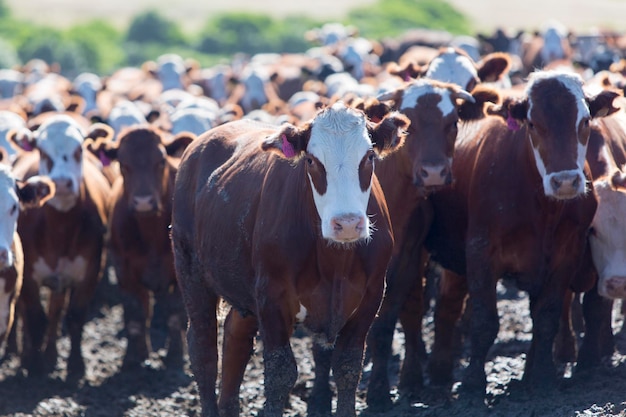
<point>35,191</point>
<point>23,138</point>
<point>389,134</point>
<point>290,141</point>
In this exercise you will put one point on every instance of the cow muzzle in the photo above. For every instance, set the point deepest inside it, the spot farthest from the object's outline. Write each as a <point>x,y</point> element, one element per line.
<point>434,175</point>
<point>144,204</point>
<point>6,258</point>
<point>613,287</point>
<point>349,228</point>
<point>566,185</point>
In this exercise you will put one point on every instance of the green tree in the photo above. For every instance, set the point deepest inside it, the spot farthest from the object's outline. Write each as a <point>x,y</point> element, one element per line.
<point>152,27</point>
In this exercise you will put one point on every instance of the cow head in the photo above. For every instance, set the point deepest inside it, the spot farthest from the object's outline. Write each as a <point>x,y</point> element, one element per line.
<point>607,237</point>
<point>142,153</point>
<point>434,110</point>
<point>339,148</point>
<point>59,140</point>
<point>13,195</point>
<point>556,114</point>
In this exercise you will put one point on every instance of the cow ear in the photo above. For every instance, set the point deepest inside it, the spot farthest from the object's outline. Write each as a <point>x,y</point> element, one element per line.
<point>376,110</point>
<point>290,141</point>
<point>493,66</point>
<point>4,156</point>
<point>99,142</point>
<point>618,180</point>
<point>179,143</point>
<point>389,134</point>
<point>35,191</point>
<point>24,138</point>
<point>513,111</point>
<point>393,97</point>
<point>602,104</point>
<point>475,109</point>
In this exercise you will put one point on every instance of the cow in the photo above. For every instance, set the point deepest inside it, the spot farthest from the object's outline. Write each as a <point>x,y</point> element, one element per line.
<point>521,207</point>
<point>14,196</point>
<point>287,224</point>
<point>62,241</point>
<point>139,249</point>
<point>422,166</point>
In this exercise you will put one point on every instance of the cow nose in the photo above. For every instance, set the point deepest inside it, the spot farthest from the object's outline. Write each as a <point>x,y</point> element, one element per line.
<point>63,185</point>
<point>566,184</point>
<point>144,203</point>
<point>348,227</point>
<point>434,175</point>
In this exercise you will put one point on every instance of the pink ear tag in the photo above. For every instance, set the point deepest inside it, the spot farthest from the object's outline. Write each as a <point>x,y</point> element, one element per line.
<point>105,160</point>
<point>288,149</point>
<point>512,124</point>
<point>25,144</point>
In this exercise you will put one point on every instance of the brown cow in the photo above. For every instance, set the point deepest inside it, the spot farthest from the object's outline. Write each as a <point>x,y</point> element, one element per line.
<point>521,208</point>
<point>63,242</point>
<point>408,176</point>
<point>140,250</point>
<point>14,196</point>
<point>288,225</point>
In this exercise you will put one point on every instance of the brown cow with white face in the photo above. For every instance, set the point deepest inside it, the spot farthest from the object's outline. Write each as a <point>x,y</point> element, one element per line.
<point>288,225</point>
<point>521,207</point>
<point>62,241</point>
<point>421,166</point>
<point>14,196</point>
<point>140,249</point>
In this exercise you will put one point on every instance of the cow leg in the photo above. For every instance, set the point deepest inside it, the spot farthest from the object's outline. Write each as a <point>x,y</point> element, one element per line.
<point>546,305</point>
<point>136,302</point>
<point>598,340</point>
<point>81,298</point>
<point>201,306</point>
<point>484,321</point>
<point>448,310</point>
<point>565,345</point>
<point>280,364</point>
<point>320,399</point>
<point>34,323</point>
<point>56,304</point>
<point>411,315</point>
<point>238,345</point>
<point>380,338</point>
<point>347,358</point>
<point>176,325</point>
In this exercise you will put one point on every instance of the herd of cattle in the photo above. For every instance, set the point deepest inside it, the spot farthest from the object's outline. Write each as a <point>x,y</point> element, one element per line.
<point>313,189</point>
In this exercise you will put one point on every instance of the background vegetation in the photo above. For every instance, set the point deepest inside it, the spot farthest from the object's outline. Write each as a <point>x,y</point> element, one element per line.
<point>97,46</point>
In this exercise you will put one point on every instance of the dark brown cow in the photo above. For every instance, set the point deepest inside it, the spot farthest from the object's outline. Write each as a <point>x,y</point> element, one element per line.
<point>14,196</point>
<point>520,207</point>
<point>62,241</point>
<point>408,176</point>
<point>140,250</point>
<point>277,222</point>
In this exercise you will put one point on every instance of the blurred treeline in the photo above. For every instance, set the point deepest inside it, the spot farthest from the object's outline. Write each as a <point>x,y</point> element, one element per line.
<point>97,46</point>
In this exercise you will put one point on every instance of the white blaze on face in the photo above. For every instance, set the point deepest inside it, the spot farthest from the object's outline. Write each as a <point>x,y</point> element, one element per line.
<point>60,138</point>
<point>171,68</point>
<point>124,114</point>
<point>420,88</point>
<point>453,68</point>
<point>339,140</point>
<point>608,241</point>
<point>9,210</point>
<point>574,85</point>
<point>254,79</point>
<point>67,270</point>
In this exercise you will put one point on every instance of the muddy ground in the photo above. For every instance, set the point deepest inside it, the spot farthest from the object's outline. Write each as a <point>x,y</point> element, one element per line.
<point>155,391</point>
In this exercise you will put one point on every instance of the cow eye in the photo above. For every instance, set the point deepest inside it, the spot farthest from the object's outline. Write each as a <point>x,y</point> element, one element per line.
<point>13,209</point>
<point>531,125</point>
<point>309,161</point>
<point>371,156</point>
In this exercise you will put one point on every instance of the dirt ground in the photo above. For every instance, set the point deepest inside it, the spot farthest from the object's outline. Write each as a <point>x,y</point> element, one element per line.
<point>155,391</point>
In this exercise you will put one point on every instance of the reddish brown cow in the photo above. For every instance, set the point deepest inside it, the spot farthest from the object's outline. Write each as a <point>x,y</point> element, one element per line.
<point>521,208</point>
<point>62,241</point>
<point>408,176</point>
<point>140,210</point>
<point>276,220</point>
<point>14,196</point>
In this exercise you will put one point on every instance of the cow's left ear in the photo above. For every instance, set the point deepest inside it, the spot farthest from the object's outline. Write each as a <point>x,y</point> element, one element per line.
<point>389,134</point>
<point>99,141</point>
<point>179,143</point>
<point>35,191</point>
<point>602,104</point>
<point>23,138</point>
<point>513,111</point>
<point>474,109</point>
<point>290,141</point>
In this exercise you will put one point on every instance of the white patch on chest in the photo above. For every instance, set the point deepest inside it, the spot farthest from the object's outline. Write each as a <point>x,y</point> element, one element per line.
<point>301,314</point>
<point>67,270</point>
